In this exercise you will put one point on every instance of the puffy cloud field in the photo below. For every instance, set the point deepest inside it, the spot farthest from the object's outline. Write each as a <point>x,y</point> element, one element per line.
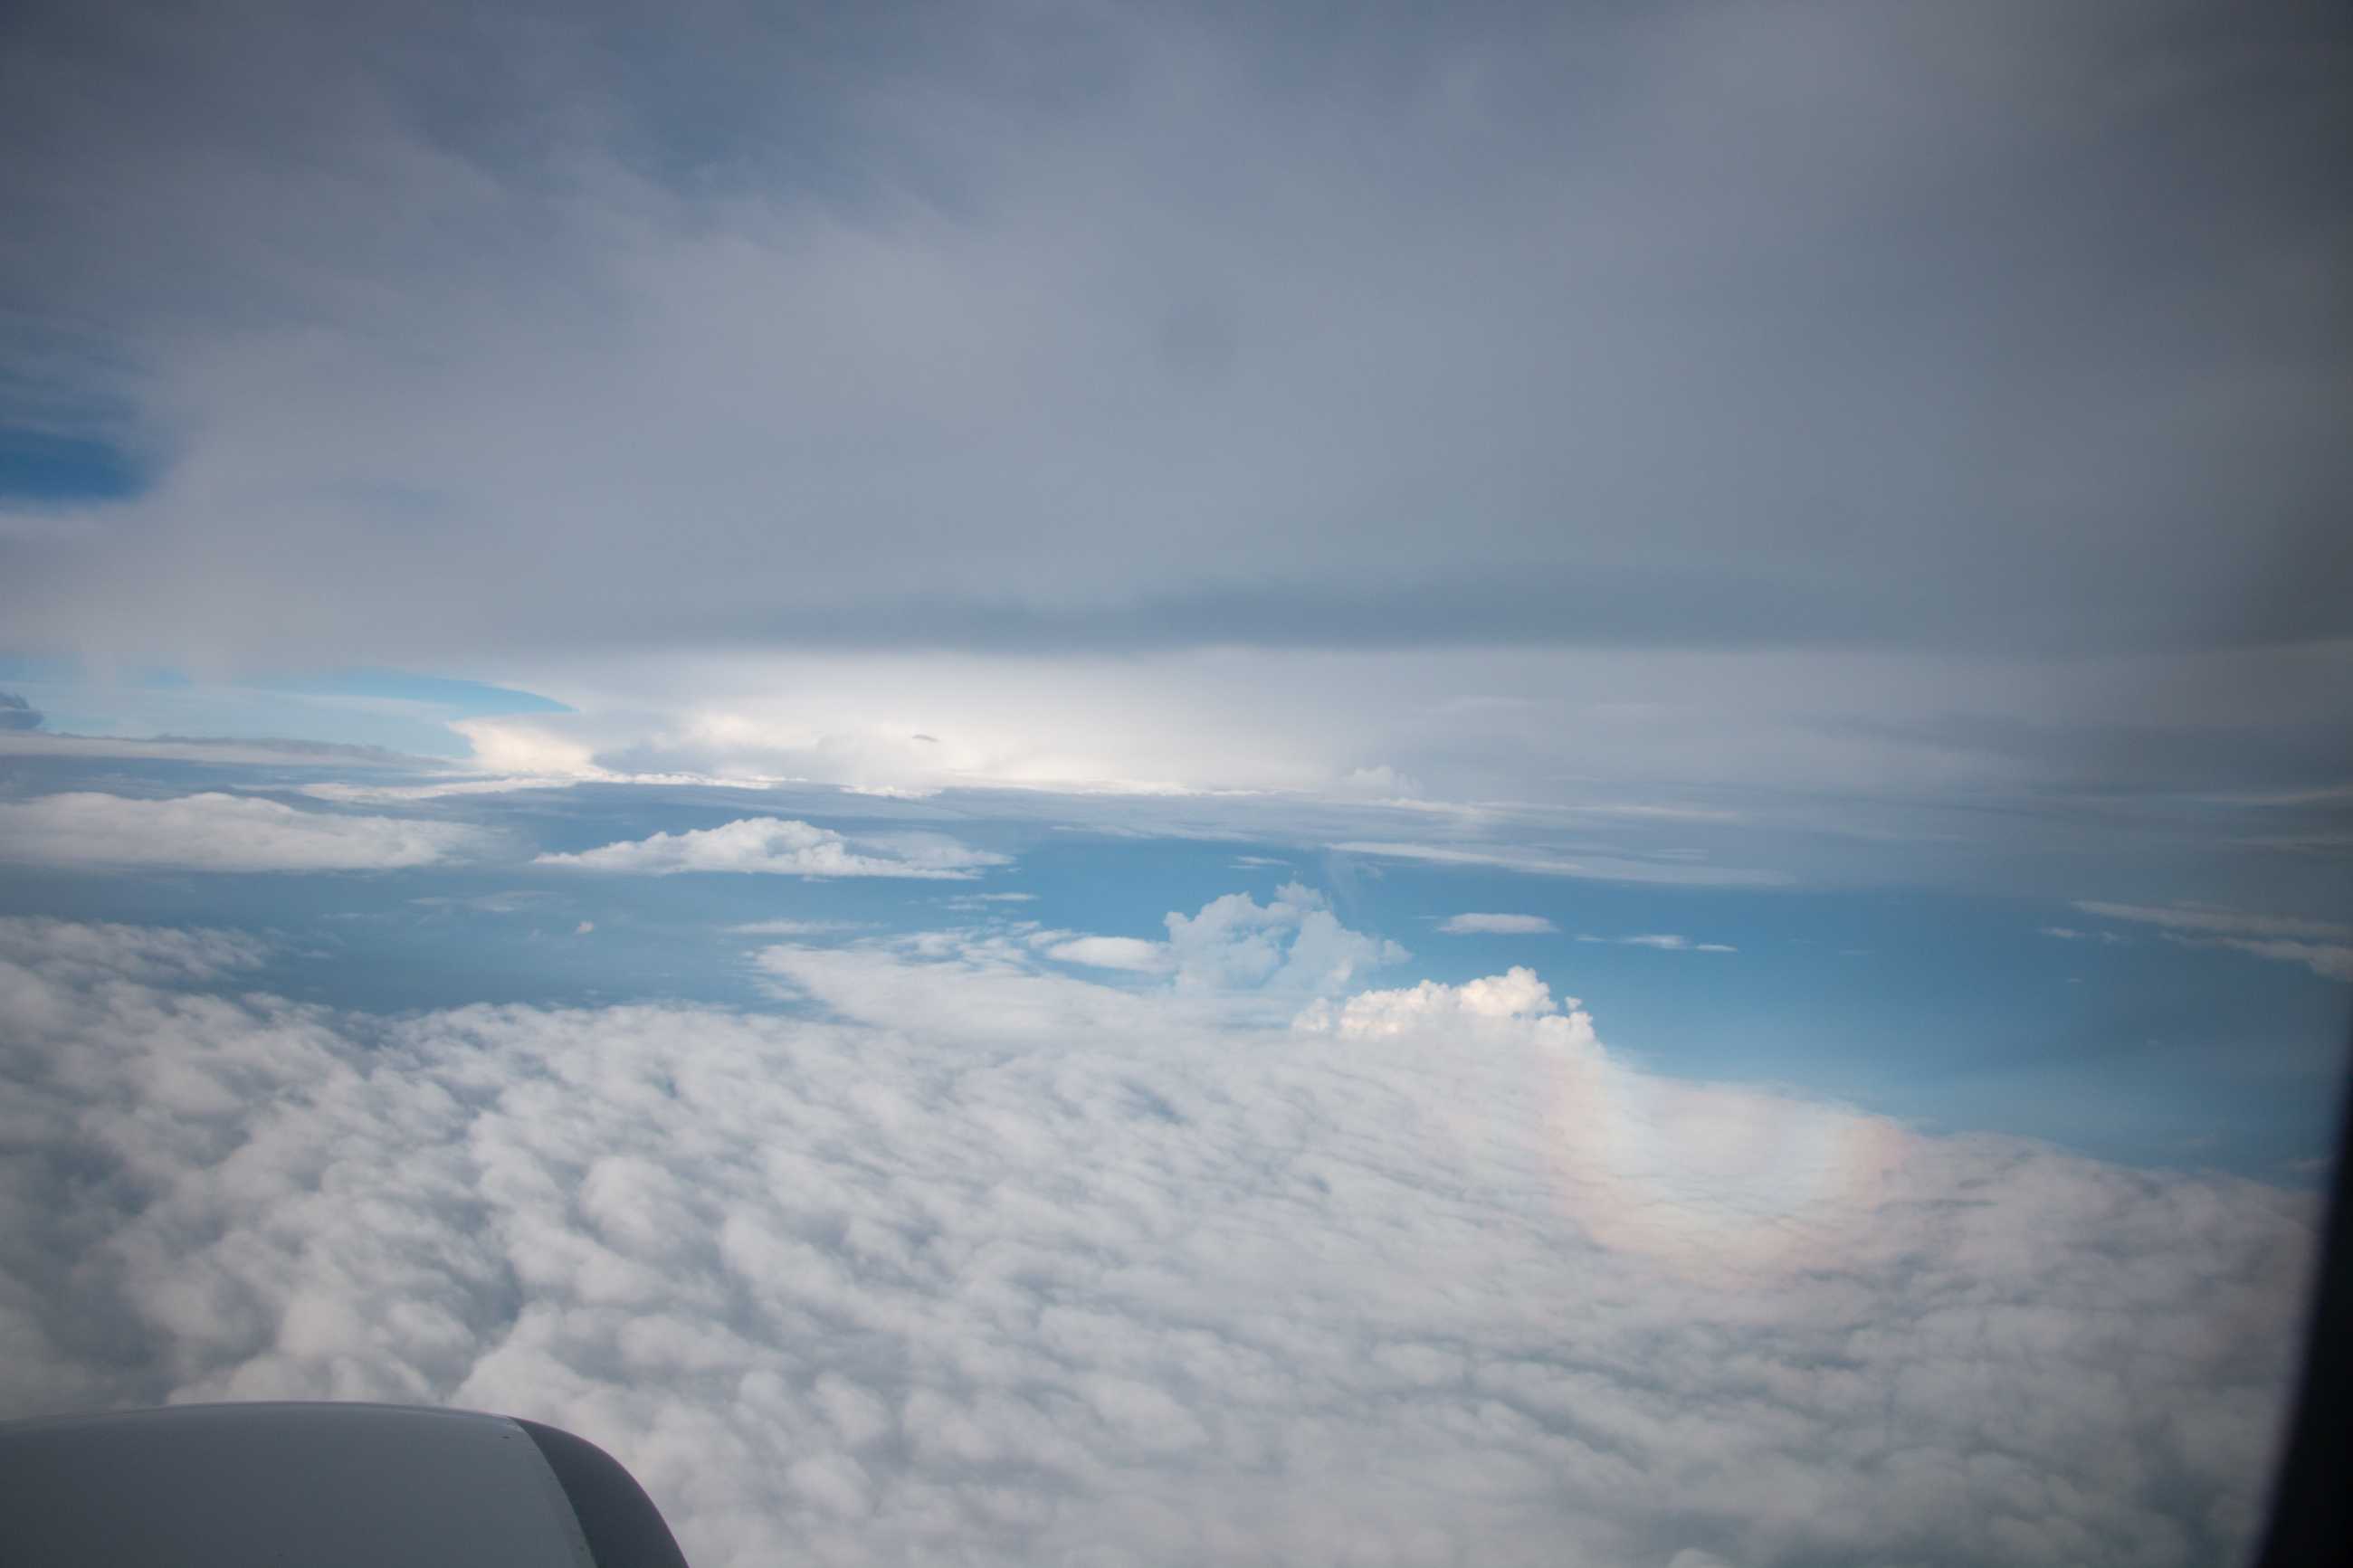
<point>955,1257</point>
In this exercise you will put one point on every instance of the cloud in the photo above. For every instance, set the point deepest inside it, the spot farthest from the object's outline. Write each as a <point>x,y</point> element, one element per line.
<point>1293,944</point>
<point>74,954</point>
<point>1546,863</point>
<point>15,713</point>
<point>796,927</point>
<point>2287,939</point>
<point>1017,590</point>
<point>1517,1000</point>
<point>1497,925</point>
<point>584,928</point>
<point>781,846</point>
<point>1660,942</point>
<point>1114,953</point>
<point>2069,934</point>
<point>2206,918</point>
<point>1234,960</point>
<point>528,751</point>
<point>905,229</point>
<point>252,752</point>
<point>993,1263</point>
<point>218,832</point>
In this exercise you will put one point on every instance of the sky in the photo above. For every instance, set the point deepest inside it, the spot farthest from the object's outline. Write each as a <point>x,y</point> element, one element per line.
<point>1116,785</point>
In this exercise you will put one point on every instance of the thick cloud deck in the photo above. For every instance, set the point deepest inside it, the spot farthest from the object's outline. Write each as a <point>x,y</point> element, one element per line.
<point>1430,1279</point>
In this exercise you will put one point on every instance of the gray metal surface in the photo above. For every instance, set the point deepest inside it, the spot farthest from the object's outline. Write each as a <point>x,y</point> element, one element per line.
<point>260,1486</point>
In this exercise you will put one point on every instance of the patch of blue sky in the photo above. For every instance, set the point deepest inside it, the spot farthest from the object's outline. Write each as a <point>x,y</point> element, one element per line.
<point>50,468</point>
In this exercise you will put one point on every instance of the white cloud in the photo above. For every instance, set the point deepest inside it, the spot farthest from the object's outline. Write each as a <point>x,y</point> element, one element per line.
<point>532,751</point>
<point>1293,944</point>
<point>1660,942</point>
<point>218,832</point>
<point>1515,998</point>
<point>1002,1266</point>
<point>1497,925</point>
<point>2325,947</point>
<point>795,928</point>
<point>782,846</point>
<point>584,928</point>
<point>1664,942</point>
<point>1114,953</point>
<point>78,954</point>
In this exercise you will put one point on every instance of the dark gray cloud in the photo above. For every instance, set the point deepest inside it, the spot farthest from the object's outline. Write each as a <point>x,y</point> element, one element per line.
<point>15,713</point>
<point>2006,327</point>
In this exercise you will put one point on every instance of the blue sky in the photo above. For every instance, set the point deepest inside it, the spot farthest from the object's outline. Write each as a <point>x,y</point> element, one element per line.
<point>1461,779</point>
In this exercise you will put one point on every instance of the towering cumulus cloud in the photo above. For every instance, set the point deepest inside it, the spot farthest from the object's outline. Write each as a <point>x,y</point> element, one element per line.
<point>1074,1273</point>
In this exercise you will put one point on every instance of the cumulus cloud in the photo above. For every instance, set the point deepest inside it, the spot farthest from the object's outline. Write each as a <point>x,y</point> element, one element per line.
<point>995,1264</point>
<point>2325,947</point>
<point>1292,945</point>
<point>15,713</point>
<point>1515,998</point>
<point>781,846</point>
<point>215,832</point>
<point>1497,925</point>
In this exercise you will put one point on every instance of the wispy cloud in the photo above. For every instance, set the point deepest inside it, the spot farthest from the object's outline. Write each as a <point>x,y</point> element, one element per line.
<point>1132,954</point>
<point>1546,863</point>
<point>778,846</point>
<point>1496,925</point>
<point>1660,942</point>
<point>2325,947</point>
<point>218,832</point>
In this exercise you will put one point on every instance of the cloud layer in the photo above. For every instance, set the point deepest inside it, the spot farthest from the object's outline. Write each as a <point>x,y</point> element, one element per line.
<point>214,832</point>
<point>1140,328</point>
<point>1002,1266</point>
